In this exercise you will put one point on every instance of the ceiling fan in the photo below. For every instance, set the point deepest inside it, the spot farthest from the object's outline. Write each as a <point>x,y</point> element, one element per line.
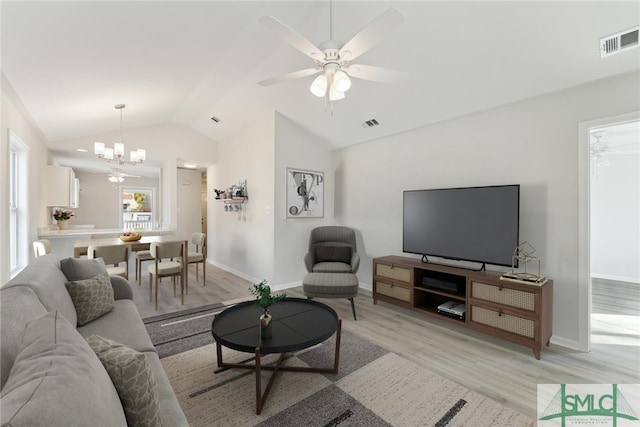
<point>333,58</point>
<point>116,176</point>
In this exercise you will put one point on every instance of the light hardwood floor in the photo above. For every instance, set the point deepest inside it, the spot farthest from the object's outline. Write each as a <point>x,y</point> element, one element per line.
<point>503,371</point>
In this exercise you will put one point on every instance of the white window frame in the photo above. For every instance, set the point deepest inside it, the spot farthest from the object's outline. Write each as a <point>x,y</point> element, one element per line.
<point>18,205</point>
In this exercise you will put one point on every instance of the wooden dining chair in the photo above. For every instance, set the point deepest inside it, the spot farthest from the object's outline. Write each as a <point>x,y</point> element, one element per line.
<point>112,255</point>
<point>41,247</point>
<point>172,255</point>
<point>199,256</point>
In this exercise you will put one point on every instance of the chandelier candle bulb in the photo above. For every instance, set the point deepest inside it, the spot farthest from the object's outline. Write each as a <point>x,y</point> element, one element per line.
<point>118,149</point>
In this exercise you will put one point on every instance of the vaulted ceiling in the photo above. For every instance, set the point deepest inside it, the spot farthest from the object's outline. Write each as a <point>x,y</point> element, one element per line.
<point>183,62</point>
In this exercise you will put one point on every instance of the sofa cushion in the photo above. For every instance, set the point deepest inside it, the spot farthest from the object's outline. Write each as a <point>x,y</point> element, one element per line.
<point>18,305</point>
<point>45,277</point>
<point>122,324</point>
<point>132,378</point>
<point>82,268</point>
<point>57,380</point>
<point>92,297</point>
<point>333,254</point>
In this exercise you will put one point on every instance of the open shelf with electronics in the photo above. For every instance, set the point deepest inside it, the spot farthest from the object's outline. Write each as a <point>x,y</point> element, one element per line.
<point>478,300</point>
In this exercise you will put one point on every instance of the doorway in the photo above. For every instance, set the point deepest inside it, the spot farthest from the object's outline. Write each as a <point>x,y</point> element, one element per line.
<point>609,258</point>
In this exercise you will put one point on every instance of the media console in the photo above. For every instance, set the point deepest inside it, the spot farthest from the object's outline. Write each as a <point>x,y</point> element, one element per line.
<point>517,312</point>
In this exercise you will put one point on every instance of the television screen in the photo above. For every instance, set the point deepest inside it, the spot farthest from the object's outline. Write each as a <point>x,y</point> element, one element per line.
<point>478,224</point>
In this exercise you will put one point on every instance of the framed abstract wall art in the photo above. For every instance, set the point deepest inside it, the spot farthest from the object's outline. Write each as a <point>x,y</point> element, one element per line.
<point>305,193</point>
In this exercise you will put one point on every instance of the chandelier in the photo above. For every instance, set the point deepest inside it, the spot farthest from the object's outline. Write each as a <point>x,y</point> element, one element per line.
<point>116,154</point>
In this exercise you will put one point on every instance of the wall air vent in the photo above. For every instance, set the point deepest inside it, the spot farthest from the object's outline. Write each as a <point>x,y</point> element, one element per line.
<point>215,119</point>
<point>616,43</point>
<point>370,123</point>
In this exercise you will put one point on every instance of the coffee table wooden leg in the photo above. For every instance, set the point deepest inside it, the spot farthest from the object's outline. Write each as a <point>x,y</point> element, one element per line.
<point>336,360</point>
<point>219,354</point>
<point>258,383</point>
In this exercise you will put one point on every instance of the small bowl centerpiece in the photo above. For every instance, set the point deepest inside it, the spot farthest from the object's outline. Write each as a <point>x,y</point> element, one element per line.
<point>130,236</point>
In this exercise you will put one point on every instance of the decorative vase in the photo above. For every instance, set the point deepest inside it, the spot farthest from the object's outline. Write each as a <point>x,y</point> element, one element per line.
<point>62,224</point>
<point>265,325</point>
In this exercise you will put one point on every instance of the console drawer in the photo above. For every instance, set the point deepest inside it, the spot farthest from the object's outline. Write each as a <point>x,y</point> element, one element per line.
<point>397,273</point>
<point>504,296</point>
<point>393,291</point>
<point>506,322</point>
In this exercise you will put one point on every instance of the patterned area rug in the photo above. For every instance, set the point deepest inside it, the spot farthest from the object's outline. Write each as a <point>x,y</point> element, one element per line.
<point>374,387</point>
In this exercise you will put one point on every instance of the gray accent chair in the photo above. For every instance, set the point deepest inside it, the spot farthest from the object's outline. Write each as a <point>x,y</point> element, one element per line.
<point>332,263</point>
<point>332,249</point>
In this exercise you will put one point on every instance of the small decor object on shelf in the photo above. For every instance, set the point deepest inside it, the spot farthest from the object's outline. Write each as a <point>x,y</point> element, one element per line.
<point>524,254</point>
<point>62,216</point>
<point>130,237</point>
<point>264,300</point>
<point>218,192</point>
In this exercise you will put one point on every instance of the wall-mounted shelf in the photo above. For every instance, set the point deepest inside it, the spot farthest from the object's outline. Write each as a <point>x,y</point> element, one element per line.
<point>234,200</point>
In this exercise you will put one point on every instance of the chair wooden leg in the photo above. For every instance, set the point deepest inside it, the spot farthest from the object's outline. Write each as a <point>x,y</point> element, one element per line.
<point>150,287</point>
<point>353,308</point>
<point>182,286</point>
<point>156,282</point>
<point>204,273</point>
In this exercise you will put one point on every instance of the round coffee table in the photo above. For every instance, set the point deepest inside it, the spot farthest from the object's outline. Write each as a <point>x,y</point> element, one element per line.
<point>297,324</point>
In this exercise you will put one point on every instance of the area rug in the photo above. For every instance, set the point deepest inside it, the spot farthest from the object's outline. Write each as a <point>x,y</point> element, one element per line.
<point>374,387</point>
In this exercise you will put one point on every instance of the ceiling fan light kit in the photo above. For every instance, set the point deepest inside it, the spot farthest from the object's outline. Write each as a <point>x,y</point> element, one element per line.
<point>116,154</point>
<point>332,58</point>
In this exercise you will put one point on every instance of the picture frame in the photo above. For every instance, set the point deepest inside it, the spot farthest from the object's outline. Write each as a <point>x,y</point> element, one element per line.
<point>305,193</point>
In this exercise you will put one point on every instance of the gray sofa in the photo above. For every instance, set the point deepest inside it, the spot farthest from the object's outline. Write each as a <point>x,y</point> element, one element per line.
<point>40,289</point>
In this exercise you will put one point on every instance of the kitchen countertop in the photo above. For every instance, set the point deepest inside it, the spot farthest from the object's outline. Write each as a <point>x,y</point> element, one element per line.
<point>85,231</point>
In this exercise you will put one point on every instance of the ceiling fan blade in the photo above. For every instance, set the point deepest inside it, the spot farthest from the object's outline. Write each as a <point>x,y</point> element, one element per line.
<point>378,74</point>
<point>371,34</point>
<point>290,76</point>
<point>292,37</point>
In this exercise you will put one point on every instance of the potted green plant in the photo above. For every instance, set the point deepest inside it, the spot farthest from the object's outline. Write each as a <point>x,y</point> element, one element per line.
<point>264,300</point>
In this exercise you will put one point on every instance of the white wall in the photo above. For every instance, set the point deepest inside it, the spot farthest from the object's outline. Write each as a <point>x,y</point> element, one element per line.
<point>533,143</point>
<point>100,202</point>
<point>615,219</point>
<point>243,242</point>
<point>297,148</point>
<point>14,118</point>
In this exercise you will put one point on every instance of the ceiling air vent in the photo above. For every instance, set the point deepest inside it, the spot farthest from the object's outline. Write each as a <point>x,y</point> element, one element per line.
<point>616,43</point>
<point>370,123</point>
<point>215,119</point>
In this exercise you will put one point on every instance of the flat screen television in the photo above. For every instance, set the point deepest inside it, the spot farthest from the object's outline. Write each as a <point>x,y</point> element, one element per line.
<point>478,224</point>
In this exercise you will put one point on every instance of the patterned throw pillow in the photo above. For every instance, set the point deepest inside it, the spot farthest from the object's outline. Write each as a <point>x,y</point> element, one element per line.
<point>92,298</point>
<point>132,378</point>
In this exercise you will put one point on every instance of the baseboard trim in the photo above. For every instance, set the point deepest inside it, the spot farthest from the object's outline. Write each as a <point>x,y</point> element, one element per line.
<point>616,278</point>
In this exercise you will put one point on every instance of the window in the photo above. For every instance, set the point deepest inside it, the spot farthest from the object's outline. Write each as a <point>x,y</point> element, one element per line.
<point>18,218</point>
<point>138,208</point>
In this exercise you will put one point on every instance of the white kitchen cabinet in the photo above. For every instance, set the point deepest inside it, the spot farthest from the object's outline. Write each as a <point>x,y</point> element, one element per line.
<point>63,188</point>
